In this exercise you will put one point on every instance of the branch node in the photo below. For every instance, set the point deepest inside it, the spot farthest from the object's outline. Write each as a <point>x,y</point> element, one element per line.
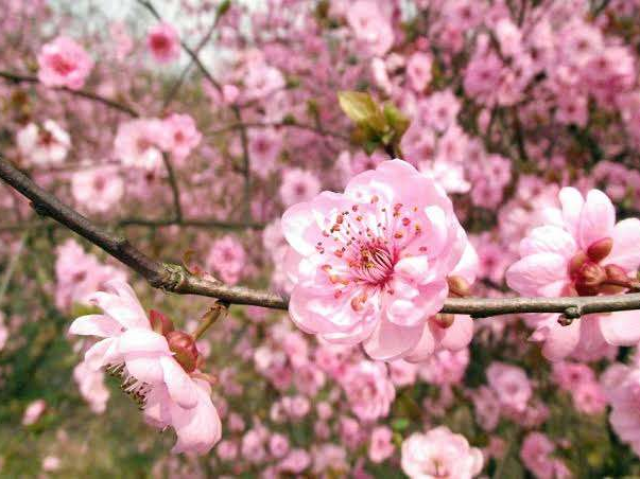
<point>571,313</point>
<point>171,278</point>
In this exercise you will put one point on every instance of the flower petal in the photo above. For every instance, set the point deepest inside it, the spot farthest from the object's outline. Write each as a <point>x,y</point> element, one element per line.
<point>390,341</point>
<point>135,341</point>
<point>181,387</point>
<point>626,245</point>
<point>597,219</point>
<point>95,325</point>
<point>538,274</point>
<point>621,328</point>
<point>548,239</point>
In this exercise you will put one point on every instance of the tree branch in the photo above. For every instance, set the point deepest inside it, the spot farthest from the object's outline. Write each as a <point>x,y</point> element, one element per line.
<point>175,278</point>
<point>18,78</point>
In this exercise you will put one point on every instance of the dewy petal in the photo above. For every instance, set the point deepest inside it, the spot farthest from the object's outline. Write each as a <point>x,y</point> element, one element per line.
<point>626,245</point>
<point>533,274</point>
<point>572,202</point>
<point>181,387</point>
<point>621,328</point>
<point>548,239</point>
<point>198,429</point>
<point>95,325</point>
<point>389,341</point>
<point>597,219</point>
<point>136,341</point>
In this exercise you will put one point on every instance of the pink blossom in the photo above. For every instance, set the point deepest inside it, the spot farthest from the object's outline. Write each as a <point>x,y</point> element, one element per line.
<point>445,367</point>
<point>98,189</point>
<point>365,272</point>
<point>486,408</point>
<point>163,42</point>
<point>45,146</point>
<point>182,136</point>
<point>370,26</point>
<point>419,70</point>
<point>264,149</point>
<point>511,385</point>
<point>51,463</point>
<point>380,446</point>
<point>577,253</point>
<point>368,389</point>
<point>589,398</point>
<point>298,185</point>
<point>296,462</point>
<point>228,258</point>
<point>92,388</point>
<point>536,455</point>
<point>138,143</point>
<point>440,453</point>
<point>33,412</point>
<point>63,63</point>
<point>168,387</point>
<point>278,445</point>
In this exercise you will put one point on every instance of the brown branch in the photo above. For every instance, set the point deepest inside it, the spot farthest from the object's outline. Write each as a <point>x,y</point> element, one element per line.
<point>175,278</point>
<point>173,182</point>
<point>18,78</point>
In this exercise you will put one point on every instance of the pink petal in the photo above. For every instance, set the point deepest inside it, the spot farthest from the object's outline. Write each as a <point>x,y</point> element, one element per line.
<point>181,387</point>
<point>458,335</point>
<point>532,274</point>
<point>411,305</point>
<point>122,310</point>
<point>157,409</point>
<point>390,341</point>
<point>572,202</point>
<point>95,325</point>
<point>626,245</point>
<point>468,265</point>
<point>95,355</point>
<point>597,219</point>
<point>424,348</point>
<point>560,340</point>
<point>548,239</point>
<point>142,341</point>
<point>146,369</point>
<point>198,429</point>
<point>621,328</point>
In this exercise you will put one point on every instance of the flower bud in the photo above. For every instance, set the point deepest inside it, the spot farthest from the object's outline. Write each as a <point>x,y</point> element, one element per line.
<point>160,323</point>
<point>458,286</point>
<point>444,320</point>
<point>600,249</point>
<point>184,347</point>
<point>576,263</point>
<point>615,274</point>
<point>589,278</point>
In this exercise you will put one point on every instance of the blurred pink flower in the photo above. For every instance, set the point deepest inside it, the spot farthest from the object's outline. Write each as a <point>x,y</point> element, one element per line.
<point>577,253</point>
<point>97,189</point>
<point>43,146</point>
<point>440,453</point>
<point>369,390</point>
<point>364,268</point>
<point>138,143</point>
<point>91,384</point>
<point>381,446</point>
<point>228,258</point>
<point>510,384</point>
<point>370,27</point>
<point>298,185</point>
<point>33,412</point>
<point>169,388</point>
<point>63,63</point>
<point>419,70</point>
<point>182,136</point>
<point>163,42</point>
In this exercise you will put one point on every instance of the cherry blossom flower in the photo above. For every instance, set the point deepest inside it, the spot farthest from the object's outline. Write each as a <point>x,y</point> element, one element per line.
<point>510,384</point>
<point>92,388</point>
<point>163,43</point>
<point>370,265</point>
<point>369,390</point>
<point>63,63</point>
<point>440,453</point>
<point>370,26</point>
<point>45,146</point>
<point>298,185</point>
<point>580,251</point>
<point>98,189</point>
<point>228,258</point>
<point>381,446</point>
<point>158,370</point>
<point>34,411</point>
<point>138,143</point>
<point>182,136</point>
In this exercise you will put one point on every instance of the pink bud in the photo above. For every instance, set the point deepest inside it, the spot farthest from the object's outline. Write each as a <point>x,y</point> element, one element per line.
<point>458,286</point>
<point>184,347</point>
<point>589,278</point>
<point>600,249</point>
<point>160,323</point>
<point>615,274</point>
<point>444,320</point>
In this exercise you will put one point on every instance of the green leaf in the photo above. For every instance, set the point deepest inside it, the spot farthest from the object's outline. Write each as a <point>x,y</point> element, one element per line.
<point>400,424</point>
<point>361,109</point>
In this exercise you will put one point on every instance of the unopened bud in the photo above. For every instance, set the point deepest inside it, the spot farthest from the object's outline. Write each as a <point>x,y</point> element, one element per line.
<point>618,278</point>
<point>184,348</point>
<point>600,249</point>
<point>160,323</point>
<point>576,263</point>
<point>589,278</point>
<point>444,320</point>
<point>458,286</point>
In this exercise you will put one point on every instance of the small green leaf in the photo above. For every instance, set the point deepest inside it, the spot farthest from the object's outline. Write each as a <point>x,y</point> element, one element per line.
<point>400,424</point>
<point>361,109</point>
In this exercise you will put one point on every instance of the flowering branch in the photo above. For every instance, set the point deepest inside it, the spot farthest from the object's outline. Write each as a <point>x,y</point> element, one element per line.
<point>175,278</point>
<point>18,78</point>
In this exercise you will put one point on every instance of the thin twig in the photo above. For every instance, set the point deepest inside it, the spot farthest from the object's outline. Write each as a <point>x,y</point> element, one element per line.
<point>18,78</point>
